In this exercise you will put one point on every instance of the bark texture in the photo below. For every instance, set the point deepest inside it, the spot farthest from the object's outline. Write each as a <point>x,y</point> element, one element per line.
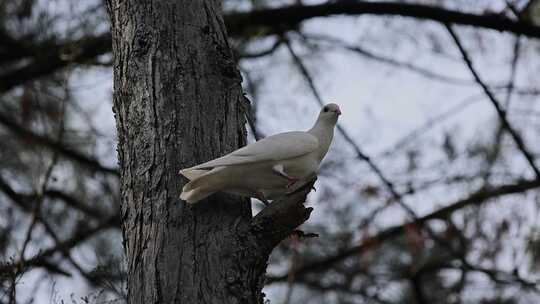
<point>178,101</point>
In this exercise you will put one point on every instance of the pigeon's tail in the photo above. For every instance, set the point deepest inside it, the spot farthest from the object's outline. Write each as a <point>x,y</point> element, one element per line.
<point>195,195</point>
<point>203,184</point>
<point>192,174</point>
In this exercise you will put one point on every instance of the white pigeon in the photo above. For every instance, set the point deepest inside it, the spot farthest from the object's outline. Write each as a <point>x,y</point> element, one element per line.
<point>266,169</point>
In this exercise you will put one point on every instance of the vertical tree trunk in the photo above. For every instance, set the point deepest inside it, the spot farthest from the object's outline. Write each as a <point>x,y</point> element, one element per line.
<point>178,101</point>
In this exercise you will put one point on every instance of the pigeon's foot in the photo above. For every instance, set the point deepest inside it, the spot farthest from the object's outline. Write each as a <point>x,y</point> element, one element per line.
<point>260,196</point>
<point>301,234</point>
<point>292,181</point>
<point>309,185</point>
<point>279,170</point>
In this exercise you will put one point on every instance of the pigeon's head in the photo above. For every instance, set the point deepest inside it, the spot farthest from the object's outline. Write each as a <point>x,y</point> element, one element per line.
<point>330,113</point>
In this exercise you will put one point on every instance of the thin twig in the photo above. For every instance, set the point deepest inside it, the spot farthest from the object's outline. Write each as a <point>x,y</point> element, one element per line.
<point>415,133</point>
<point>498,108</point>
<point>37,208</point>
<point>42,188</point>
<point>44,141</point>
<point>493,154</point>
<point>75,240</point>
<point>513,71</point>
<point>337,43</point>
<point>259,54</point>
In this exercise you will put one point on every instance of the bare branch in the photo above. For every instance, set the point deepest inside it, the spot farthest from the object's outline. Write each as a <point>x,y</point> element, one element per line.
<point>266,52</point>
<point>24,201</point>
<point>288,17</point>
<point>79,237</point>
<point>49,58</point>
<point>36,212</point>
<point>476,198</point>
<point>55,146</point>
<point>279,219</point>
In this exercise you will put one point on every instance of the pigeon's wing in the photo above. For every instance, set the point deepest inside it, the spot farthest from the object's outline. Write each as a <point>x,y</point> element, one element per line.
<point>272,148</point>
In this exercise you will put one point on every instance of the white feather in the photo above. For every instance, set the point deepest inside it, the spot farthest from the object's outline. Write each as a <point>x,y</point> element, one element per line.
<point>263,168</point>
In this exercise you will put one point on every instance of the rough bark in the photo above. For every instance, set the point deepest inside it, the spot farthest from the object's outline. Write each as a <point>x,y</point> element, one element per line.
<point>178,101</point>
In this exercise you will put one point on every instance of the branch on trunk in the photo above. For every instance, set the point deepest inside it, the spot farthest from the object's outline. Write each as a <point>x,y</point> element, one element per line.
<point>248,251</point>
<point>277,221</point>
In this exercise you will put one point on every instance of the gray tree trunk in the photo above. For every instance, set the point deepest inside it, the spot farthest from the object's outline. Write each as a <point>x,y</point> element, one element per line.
<point>178,101</point>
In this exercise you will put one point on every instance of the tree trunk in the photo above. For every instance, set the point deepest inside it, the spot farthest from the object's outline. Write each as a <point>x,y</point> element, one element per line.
<point>178,101</point>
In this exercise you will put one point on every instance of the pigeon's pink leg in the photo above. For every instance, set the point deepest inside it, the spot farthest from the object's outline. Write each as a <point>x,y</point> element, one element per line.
<point>292,181</point>
<point>278,169</point>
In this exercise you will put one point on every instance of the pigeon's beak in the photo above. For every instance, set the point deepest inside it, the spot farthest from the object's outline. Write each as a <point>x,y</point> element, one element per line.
<point>338,111</point>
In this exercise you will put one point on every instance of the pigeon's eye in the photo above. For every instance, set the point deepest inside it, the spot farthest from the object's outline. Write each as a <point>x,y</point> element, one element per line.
<point>325,109</point>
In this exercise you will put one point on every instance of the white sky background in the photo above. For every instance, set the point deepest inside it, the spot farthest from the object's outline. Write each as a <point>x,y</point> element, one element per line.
<point>380,104</point>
